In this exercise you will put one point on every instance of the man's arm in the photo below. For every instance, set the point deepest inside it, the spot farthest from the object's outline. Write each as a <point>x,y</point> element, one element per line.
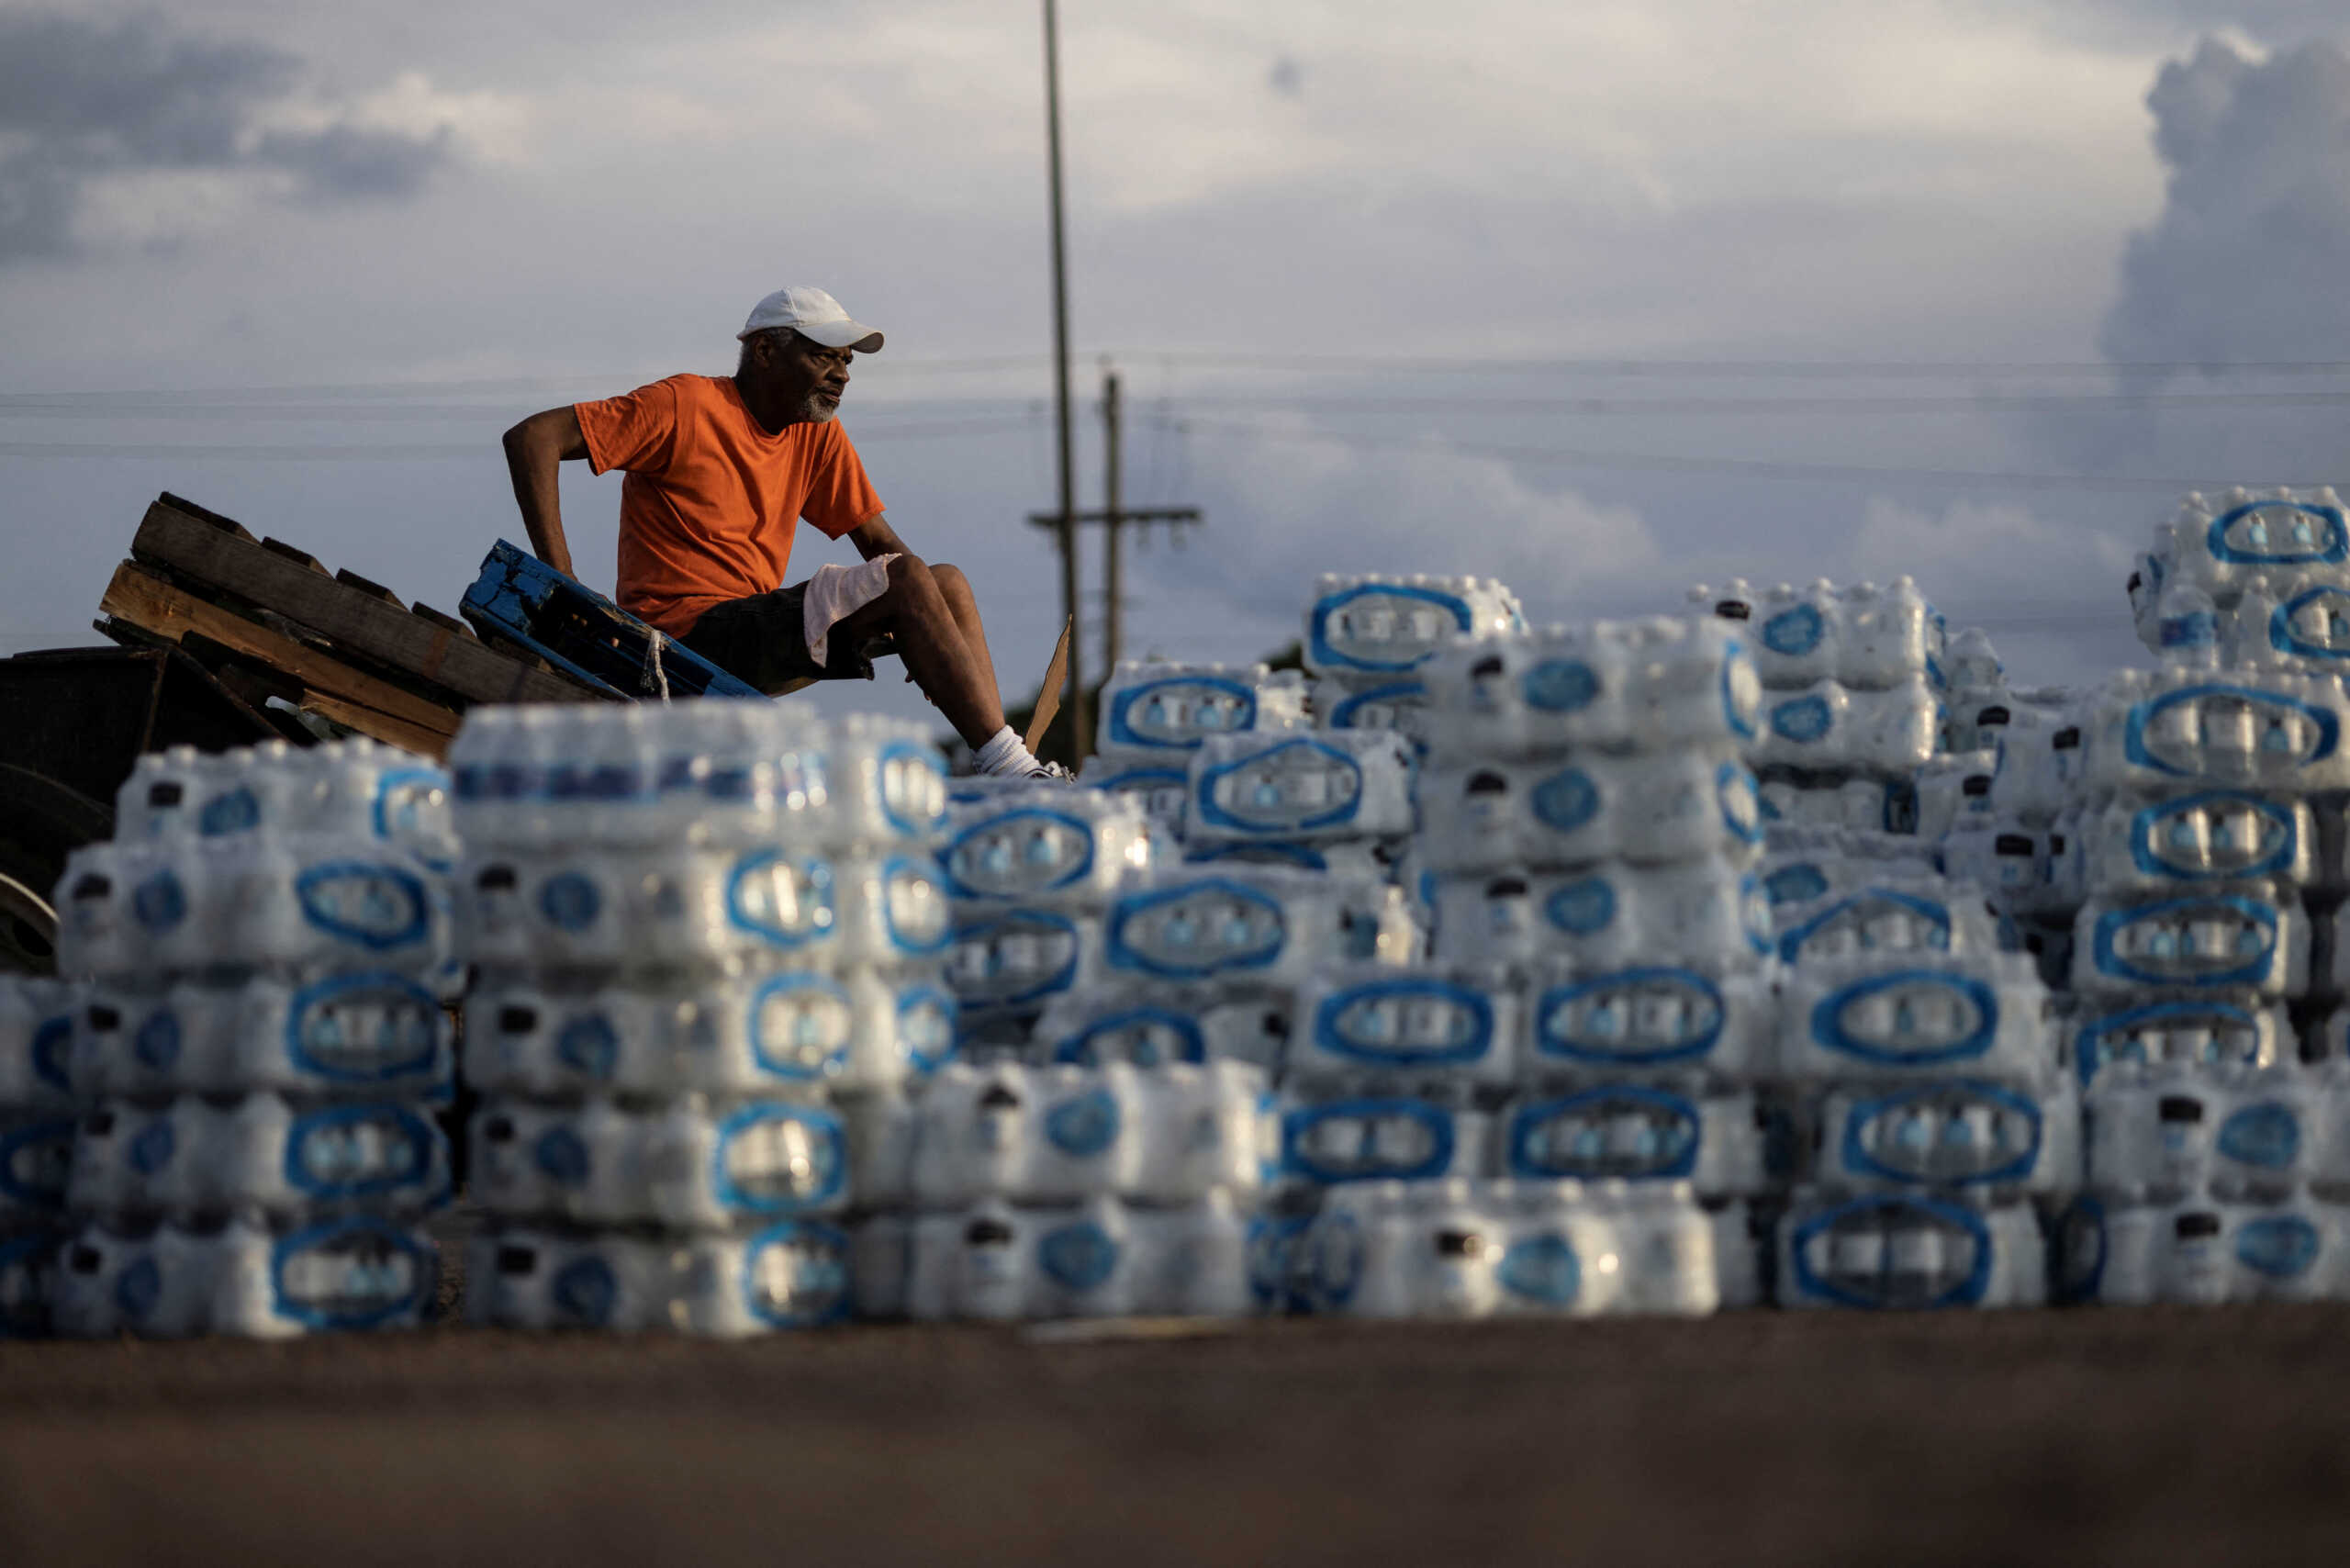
<point>536,452</point>
<point>878,538</point>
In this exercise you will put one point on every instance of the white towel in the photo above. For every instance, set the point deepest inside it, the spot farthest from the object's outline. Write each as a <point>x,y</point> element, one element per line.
<point>837,591</point>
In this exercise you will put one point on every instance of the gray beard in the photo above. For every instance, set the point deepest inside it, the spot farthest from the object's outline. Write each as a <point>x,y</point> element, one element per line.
<point>816,411</point>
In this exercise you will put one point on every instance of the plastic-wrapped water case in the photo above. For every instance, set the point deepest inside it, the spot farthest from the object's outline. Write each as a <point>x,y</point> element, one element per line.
<point>1373,1136</point>
<point>1958,1134</point>
<point>356,788</point>
<point>1654,1021</point>
<point>1401,705</point>
<point>1861,634</point>
<point>1945,1015</point>
<point>1298,788</point>
<point>1010,959</point>
<point>1370,629</point>
<point>2249,536</point>
<point>2298,618</point>
<point>1386,1026</point>
<point>1909,1252</point>
<point>36,1163</point>
<point>1241,924</point>
<point>1815,802</point>
<point>1045,846</point>
<point>1709,910</point>
<point>791,1275</point>
<point>358,1032</point>
<point>853,1029</point>
<point>1954,790</point>
<point>1159,787</point>
<point>685,907</point>
<point>284,901</point>
<point>1363,860</point>
<point>1471,1249</point>
<point>2188,841</point>
<point>1804,865</point>
<point>695,1163</point>
<point>2167,1131</point>
<point>1637,1132</point>
<point>2012,861</point>
<point>2202,1253</point>
<point>2042,762</point>
<point>196,1155</point>
<point>1045,1135</point>
<point>998,1262</point>
<point>2166,729</point>
<point>1887,920</point>
<point>2186,1031</point>
<point>1496,816</point>
<point>1152,709</point>
<point>36,1042</point>
<point>274,1281</point>
<point>1651,685</point>
<point>1830,728</point>
<point>2233,937</point>
<point>1160,1024</point>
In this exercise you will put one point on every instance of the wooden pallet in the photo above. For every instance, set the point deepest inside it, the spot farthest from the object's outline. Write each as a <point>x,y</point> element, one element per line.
<point>270,621</point>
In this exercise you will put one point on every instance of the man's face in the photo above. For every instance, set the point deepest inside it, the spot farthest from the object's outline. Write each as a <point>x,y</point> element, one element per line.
<point>807,377</point>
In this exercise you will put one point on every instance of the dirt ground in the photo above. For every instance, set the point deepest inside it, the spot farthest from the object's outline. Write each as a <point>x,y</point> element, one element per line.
<point>2153,1436</point>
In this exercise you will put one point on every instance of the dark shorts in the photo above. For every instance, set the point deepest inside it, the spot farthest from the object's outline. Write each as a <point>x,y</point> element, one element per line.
<point>764,640</point>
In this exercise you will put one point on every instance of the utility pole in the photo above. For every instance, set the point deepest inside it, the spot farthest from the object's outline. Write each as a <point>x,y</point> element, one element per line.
<point>1112,564</point>
<point>1079,730</point>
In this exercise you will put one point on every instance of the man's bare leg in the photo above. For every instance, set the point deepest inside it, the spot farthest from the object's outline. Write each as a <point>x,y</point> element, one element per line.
<point>956,589</point>
<point>916,614</point>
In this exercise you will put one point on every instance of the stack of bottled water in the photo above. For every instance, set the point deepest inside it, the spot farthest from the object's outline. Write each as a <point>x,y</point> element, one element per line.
<point>260,1047</point>
<point>702,937</point>
<point>2200,856</point>
<point>1530,1123</point>
<point>2266,574</point>
<point>1922,1060</point>
<point>1154,714</point>
<point>36,1143</point>
<point>1852,710</point>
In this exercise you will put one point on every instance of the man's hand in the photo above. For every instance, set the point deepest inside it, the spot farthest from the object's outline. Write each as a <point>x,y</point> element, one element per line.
<point>536,452</point>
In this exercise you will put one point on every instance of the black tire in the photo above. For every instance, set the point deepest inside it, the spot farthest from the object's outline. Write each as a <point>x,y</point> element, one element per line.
<point>41,822</point>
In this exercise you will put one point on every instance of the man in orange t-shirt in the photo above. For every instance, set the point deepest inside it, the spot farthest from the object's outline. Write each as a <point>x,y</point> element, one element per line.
<point>721,471</point>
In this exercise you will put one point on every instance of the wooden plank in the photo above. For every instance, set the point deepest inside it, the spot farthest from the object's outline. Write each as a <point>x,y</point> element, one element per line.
<point>195,549</point>
<point>296,553</point>
<point>379,726</point>
<point>352,579</point>
<point>1049,696</point>
<point>446,623</point>
<point>146,600</point>
<point>228,525</point>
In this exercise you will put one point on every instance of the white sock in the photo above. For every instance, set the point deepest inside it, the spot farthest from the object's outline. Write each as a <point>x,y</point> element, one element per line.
<point>1005,757</point>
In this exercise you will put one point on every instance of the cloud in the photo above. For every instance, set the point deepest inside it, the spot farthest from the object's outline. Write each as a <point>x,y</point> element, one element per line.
<point>91,110</point>
<point>2247,258</point>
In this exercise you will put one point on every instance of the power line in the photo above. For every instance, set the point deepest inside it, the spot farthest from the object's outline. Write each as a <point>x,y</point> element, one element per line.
<point>401,452</point>
<point>1754,468</point>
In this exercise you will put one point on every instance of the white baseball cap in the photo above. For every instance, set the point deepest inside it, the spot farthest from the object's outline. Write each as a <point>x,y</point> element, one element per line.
<point>814,315</point>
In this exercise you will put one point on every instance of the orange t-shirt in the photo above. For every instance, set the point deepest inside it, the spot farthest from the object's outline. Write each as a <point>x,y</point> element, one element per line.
<point>711,500</point>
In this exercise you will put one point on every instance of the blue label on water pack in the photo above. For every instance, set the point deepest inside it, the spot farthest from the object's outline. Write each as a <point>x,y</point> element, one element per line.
<point>588,1045</point>
<point>562,1157</point>
<point>160,902</point>
<point>926,1027</point>
<point>35,1160</point>
<point>1856,911</point>
<point>1621,1132</point>
<point>1300,786</point>
<point>53,1046</point>
<point>2214,836</point>
<point>796,1274</point>
<point>239,810</point>
<point>2116,1037</point>
<point>2293,735</point>
<point>356,1151</point>
<point>1018,853</point>
<point>1560,686</point>
<point>2279,1246</point>
<point>1741,691</point>
<point>365,1028</point>
<point>1146,1036</point>
<point>1799,883</point>
<point>1741,799</point>
<point>1582,908</point>
<point>1794,632</point>
<point>1077,1257</point>
<point>1044,942</point>
<point>154,1147</point>
<point>1867,1266</point>
<point>403,797</point>
<point>370,904</point>
<point>914,909</point>
<point>914,788</point>
<point>2278,533</point>
<point>157,1043</point>
<point>1633,1016</point>
<point>138,1288</point>
<point>1541,1269</point>
<point>584,1292</point>
<point>1908,1018</point>
<point>1961,1133</point>
<point>1803,720</point>
<point>2328,608</point>
<point>1084,1126</point>
<point>780,1158</point>
<point>570,902</point>
<point>1565,802</point>
<point>351,1273</point>
<point>1175,712</point>
<point>2267,1135</point>
<point>2207,940</point>
<point>1194,930</point>
<point>783,899</point>
<point>801,1025</point>
<point>1367,1140</point>
<point>1406,1022</point>
<point>1353,630</point>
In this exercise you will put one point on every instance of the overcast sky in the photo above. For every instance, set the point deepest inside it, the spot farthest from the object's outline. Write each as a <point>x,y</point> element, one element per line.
<point>1603,299</point>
